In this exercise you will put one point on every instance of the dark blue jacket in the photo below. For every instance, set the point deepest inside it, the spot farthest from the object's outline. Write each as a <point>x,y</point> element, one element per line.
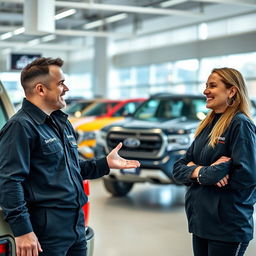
<point>40,167</point>
<point>226,213</point>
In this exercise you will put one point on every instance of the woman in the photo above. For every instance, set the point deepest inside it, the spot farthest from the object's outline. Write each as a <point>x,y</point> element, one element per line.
<point>220,167</point>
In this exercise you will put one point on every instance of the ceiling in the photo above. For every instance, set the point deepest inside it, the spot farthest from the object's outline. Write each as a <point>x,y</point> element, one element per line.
<point>102,18</point>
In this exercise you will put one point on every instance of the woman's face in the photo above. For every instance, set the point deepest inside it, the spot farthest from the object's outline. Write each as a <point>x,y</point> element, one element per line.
<point>216,94</point>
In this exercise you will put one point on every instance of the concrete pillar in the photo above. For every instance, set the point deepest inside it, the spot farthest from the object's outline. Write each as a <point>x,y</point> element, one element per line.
<point>39,16</point>
<point>100,67</point>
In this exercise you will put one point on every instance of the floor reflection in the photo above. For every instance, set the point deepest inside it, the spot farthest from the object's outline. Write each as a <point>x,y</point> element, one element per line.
<point>149,221</point>
<point>148,196</point>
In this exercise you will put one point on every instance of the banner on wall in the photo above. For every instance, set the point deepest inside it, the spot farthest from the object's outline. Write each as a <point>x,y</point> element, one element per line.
<point>19,61</point>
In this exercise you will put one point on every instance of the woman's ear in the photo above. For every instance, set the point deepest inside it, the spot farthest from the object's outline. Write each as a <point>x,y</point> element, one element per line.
<point>233,91</point>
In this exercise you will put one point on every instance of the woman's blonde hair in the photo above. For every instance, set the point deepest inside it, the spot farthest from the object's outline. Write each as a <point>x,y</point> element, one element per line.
<point>240,103</point>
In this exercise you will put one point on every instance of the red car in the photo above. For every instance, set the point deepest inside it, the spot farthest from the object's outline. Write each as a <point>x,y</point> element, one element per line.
<point>93,120</point>
<point>106,108</point>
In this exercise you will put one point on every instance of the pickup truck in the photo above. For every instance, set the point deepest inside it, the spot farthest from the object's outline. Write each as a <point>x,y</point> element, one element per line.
<point>158,134</point>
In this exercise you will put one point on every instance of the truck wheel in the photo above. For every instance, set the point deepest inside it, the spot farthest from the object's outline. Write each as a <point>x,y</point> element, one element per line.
<point>117,188</point>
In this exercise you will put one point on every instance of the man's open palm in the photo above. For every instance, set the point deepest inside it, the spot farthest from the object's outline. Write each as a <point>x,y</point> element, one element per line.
<point>117,162</point>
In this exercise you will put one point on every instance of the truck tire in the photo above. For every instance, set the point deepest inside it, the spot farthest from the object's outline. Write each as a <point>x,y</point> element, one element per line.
<point>117,188</point>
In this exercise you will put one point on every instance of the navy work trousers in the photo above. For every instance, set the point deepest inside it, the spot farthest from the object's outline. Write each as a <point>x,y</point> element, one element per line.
<point>61,232</point>
<point>206,247</point>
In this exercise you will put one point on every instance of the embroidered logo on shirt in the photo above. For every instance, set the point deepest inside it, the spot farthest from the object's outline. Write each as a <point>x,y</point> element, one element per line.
<point>50,140</point>
<point>221,140</point>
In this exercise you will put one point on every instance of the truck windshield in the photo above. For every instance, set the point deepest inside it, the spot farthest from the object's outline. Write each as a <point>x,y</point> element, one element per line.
<point>156,109</point>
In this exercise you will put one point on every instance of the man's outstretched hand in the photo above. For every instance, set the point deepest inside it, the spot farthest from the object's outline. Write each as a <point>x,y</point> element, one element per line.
<point>117,162</point>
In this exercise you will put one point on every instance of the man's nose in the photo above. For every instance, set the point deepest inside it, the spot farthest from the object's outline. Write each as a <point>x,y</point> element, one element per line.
<point>66,89</point>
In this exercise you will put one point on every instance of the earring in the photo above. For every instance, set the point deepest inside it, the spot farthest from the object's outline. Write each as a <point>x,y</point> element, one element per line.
<point>230,102</point>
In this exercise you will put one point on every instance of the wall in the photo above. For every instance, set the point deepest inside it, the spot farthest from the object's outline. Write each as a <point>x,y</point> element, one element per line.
<point>242,43</point>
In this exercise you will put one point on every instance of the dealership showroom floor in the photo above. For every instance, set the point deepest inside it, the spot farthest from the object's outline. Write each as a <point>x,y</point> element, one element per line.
<point>149,221</point>
<point>144,73</point>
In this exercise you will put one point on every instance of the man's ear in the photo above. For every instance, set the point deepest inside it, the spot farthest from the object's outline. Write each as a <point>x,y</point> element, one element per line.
<point>39,88</point>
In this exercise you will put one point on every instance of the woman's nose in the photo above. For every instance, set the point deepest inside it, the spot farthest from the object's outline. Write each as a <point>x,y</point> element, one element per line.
<point>205,91</point>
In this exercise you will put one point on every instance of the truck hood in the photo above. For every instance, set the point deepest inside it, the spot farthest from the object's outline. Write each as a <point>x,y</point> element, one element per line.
<point>175,124</point>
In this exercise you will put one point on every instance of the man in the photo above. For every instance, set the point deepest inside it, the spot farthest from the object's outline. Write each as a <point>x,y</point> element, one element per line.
<point>40,171</point>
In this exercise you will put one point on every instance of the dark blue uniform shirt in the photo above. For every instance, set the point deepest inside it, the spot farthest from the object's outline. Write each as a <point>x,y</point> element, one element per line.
<point>40,167</point>
<point>225,213</point>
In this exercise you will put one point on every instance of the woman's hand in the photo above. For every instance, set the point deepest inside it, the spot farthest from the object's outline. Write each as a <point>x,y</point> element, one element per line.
<point>221,183</point>
<point>117,162</point>
<point>224,181</point>
<point>195,173</point>
<point>222,159</point>
<point>190,163</point>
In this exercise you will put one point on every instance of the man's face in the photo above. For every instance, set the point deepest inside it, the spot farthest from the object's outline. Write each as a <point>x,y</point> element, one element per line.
<point>55,89</point>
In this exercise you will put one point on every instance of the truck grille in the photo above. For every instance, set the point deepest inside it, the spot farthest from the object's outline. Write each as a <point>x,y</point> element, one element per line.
<point>151,143</point>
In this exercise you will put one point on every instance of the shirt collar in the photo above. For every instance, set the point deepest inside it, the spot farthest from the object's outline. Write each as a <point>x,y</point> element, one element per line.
<point>38,115</point>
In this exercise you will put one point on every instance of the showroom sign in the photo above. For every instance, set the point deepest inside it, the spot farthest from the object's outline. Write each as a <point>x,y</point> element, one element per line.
<point>19,61</point>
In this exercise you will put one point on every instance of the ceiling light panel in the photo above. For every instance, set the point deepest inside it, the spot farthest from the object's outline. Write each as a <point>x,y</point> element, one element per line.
<point>94,24</point>
<point>65,14</point>
<point>6,35</point>
<point>116,18</point>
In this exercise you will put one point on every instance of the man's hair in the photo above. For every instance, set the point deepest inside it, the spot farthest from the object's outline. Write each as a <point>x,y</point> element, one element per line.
<point>37,68</point>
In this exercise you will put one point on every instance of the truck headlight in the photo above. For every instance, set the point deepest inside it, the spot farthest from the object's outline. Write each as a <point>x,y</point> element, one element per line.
<point>82,136</point>
<point>86,152</point>
<point>101,137</point>
<point>176,142</point>
<point>102,134</point>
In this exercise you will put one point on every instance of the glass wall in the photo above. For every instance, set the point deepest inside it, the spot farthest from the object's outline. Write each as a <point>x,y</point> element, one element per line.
<point>177,77</point>
<point>182,76</point>
<point>185,76</point>
<point>11,82</point>
<point>79,85</point>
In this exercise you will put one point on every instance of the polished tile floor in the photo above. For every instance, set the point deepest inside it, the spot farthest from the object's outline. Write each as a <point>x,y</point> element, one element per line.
<point>150,221</point>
